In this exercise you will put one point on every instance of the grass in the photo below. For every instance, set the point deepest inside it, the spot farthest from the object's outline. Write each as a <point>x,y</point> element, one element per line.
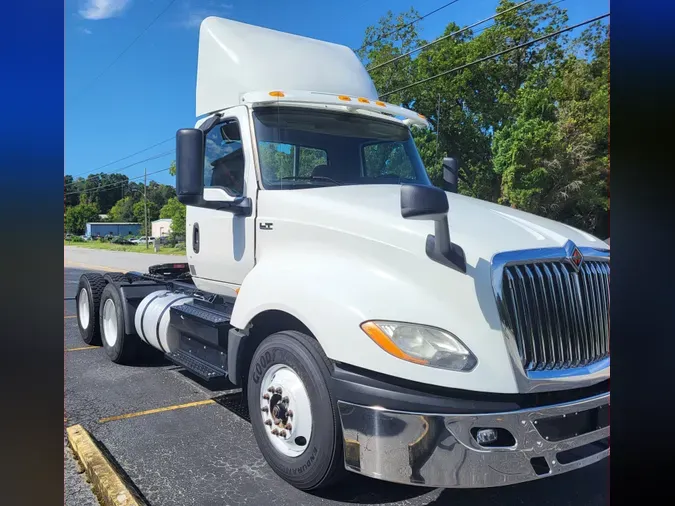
<point>133,248</point>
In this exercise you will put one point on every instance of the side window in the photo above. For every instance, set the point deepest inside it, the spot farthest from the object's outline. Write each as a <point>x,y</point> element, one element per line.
<point>224,157</point>
<point>278,160</point>
<point>387,159</point>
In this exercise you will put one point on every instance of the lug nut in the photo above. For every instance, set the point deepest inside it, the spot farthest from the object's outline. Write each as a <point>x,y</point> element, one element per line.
<point>282,433</point>
<point>285,400</point>
<point>265,409</point>
<point>275,432</point>
<point>266,397</point>
<point>278,390</point>
<point>289,426</point>
<point>268,422</point>
<point>290,413</point>
<point>270,390</point>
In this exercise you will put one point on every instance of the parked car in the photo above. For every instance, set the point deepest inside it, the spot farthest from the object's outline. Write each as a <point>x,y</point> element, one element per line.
<point>120,240</point>
<point>141,240</point>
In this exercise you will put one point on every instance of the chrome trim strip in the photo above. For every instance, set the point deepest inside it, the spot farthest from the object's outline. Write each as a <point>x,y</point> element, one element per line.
<point>566,297</point>
<point>567,373</point>
<point>439,450</point>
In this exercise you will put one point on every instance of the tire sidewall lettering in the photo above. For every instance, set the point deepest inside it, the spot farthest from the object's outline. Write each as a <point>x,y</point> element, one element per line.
<point>267,358</point>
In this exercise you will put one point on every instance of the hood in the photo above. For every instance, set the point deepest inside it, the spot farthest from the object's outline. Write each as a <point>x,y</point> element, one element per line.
<point>481,228</point>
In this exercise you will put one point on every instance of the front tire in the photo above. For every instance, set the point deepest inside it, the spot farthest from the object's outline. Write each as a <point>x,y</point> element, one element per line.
<point>120,347</point>
<point>291,370</point>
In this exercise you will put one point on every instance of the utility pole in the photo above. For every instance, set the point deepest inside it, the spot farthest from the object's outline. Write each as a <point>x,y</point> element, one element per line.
<point>145,205</point>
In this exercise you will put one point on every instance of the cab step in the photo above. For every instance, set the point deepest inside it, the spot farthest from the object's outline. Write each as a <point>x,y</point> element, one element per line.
<point>195,365</point>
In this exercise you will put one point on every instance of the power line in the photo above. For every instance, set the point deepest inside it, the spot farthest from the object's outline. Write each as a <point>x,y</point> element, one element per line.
<point>375,67</point>
<point>154,157</point>
<point>480,60</point>
<point>406,25</point>
<point>124,158</point>
<point>171,2</point>
<point>117,184</point>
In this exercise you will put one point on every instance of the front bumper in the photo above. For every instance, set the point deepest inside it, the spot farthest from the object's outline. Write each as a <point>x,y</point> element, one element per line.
<point>439,450</point>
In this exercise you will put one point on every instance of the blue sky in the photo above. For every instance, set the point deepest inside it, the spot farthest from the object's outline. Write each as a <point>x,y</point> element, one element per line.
<point>148,93</point>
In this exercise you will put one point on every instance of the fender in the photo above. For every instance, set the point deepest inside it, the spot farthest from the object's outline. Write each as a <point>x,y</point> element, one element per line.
<point>344,290</point>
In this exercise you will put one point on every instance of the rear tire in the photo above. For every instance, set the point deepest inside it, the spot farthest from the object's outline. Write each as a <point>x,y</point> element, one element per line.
<point>87,300</point>
<point>120,347</point>
<point>113,277</point>
<point>296,361</point>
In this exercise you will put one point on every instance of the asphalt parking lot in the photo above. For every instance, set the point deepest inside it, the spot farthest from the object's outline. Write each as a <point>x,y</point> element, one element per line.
<point>182,443</point>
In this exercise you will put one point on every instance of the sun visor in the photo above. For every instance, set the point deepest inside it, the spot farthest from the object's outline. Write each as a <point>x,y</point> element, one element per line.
<point>235,58</point>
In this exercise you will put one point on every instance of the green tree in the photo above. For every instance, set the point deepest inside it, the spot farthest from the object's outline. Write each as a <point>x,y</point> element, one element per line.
<point>176,211</point>
<point>122,211</point>
<point>78,216</point>
<point>553,158</point>
<point>530,127</point>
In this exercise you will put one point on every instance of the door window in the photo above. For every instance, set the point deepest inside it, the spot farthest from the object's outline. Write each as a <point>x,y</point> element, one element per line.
<point>224,158</point>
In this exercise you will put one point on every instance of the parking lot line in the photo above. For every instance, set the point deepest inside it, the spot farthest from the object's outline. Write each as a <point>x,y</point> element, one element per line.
<point>157,410</point>
<point>70,316</point>
<point>84,348</point>
<point>69,263</point>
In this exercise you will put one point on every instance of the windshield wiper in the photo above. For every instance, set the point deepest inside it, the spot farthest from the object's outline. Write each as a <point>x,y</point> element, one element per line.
<point>311,178</point>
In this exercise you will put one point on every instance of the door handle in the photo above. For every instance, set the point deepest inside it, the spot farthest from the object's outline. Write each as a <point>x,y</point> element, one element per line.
<point>195,237</point>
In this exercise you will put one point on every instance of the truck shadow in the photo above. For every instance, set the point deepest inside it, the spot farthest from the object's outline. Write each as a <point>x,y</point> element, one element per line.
<point>588,486</point>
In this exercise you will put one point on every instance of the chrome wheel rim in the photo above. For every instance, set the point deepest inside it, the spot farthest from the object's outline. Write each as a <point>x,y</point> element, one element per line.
<point>83,308</point>
<point>286,410</point>
<point>109,326</point>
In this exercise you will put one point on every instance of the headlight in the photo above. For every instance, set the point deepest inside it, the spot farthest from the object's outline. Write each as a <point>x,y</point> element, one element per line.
<point>421,344</point>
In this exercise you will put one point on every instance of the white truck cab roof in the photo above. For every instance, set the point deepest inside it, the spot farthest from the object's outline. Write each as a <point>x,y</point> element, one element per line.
<point>245,64</point>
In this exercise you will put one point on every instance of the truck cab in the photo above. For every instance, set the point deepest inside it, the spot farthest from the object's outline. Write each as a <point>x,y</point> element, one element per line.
<point>377,324</point>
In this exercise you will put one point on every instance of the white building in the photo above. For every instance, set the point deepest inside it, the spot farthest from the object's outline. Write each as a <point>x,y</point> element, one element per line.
<point>161,227</point>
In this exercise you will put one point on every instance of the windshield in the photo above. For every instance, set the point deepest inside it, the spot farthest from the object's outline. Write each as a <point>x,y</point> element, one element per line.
<point>304,148</point>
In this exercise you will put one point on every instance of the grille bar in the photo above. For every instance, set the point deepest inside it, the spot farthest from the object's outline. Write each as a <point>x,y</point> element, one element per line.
<point>558,316</point>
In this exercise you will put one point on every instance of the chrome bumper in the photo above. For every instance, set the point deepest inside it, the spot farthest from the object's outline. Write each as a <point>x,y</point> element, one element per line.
<point>439,450</point>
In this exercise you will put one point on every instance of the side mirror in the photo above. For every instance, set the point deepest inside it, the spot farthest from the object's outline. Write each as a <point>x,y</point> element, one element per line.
<point>420,202</point>
<point>190,177</point>
<point>450,173</point>
<point>190,166</point>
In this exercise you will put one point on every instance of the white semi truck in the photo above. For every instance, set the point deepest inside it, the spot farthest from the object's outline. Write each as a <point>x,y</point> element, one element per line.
<point>375,323</point>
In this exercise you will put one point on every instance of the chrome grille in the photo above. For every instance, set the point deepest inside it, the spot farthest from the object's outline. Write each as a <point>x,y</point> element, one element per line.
<point>559,317</point>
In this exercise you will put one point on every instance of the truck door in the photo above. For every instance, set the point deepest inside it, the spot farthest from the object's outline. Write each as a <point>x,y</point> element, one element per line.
<point>220,244</point>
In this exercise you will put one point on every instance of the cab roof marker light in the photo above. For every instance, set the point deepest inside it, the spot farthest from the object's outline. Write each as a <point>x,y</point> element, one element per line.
<point>277,94</point>
<point>353,103</point>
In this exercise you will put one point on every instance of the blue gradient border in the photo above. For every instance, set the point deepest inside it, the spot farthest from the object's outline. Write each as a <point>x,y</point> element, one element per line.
<point>31,206</point>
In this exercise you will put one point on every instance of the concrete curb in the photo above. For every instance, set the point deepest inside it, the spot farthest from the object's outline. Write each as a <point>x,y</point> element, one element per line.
<point>109,485</point>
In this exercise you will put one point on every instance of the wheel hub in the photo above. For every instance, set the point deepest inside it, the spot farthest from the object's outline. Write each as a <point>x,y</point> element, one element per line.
<point>109,326</point>
<point>286,410</point>
<point>83,308</point>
